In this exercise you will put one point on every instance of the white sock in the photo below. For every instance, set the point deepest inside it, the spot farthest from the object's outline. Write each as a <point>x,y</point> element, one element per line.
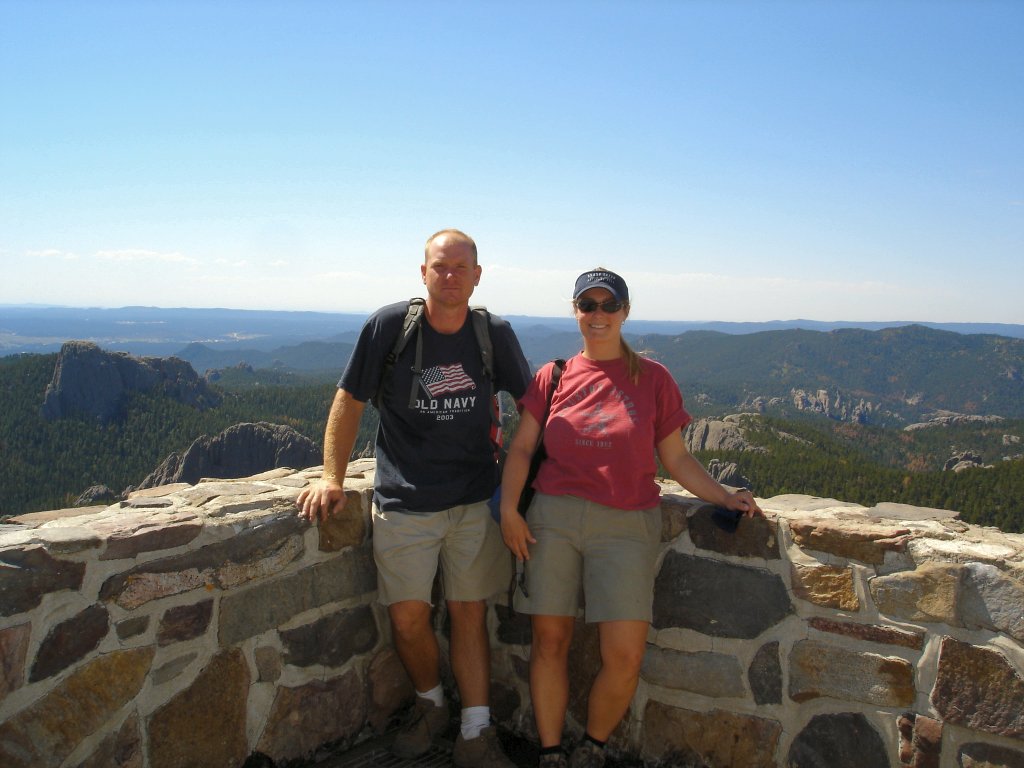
<point>474,720</point>
<point>435,695</point>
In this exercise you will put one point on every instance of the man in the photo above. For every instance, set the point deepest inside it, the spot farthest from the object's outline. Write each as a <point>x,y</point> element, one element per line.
<point>435,474</point>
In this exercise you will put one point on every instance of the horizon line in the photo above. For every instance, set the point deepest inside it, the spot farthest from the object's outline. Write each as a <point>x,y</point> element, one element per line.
<point>363,313</point>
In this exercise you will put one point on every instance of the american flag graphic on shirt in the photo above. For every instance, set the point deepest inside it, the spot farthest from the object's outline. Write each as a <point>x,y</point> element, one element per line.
<point>446,379</point>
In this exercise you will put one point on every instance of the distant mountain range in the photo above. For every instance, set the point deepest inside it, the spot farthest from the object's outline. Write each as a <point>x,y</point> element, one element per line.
<point>158,331</point>
<point>892,376</point>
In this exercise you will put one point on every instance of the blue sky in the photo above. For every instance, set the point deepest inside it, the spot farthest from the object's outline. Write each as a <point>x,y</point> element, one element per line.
<point>733,160</point>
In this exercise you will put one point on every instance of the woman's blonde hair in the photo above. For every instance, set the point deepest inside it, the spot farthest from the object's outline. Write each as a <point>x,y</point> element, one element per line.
<point>633,359</point>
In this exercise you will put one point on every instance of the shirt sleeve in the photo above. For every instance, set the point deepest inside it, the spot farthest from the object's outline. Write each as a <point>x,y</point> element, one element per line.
<point>535,400</point>
<point>671,414</point>
<point>365,367</point>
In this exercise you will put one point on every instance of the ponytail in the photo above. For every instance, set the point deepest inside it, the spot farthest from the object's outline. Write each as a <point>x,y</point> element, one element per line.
<point>633,359</point>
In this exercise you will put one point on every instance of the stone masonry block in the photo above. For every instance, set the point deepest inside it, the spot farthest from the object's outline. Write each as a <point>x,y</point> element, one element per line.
<point>716,675</point>
<point>752,537</point>
<point>825,585</point>
<point>269,604</point>
<point>929,593</point>
<point>305,717</point>
<point>680,737</point>
<point>26,574</point>
<point>204,725</point>
<point>850,539</point>
<point>70,641</point>
<point>45,733</point>
<point>978,688</point>
<point>842,740</point>
<point>818,669</point>
<point>331,640</point>
<point>718,598</point>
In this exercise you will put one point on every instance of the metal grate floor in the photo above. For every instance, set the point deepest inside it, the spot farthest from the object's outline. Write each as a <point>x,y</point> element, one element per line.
<point>375,754</point>
<point>378,756</point>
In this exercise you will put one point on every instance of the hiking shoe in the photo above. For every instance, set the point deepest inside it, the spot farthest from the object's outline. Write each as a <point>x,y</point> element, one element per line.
<point>587,755</point>
<point>554,760</point>
<point>482,752</point>
<point>424,723</point>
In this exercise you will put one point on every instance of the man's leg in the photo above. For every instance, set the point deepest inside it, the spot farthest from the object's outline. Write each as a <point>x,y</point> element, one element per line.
<point>475,564</point>
<point>416,642</point>
<point>417,647</point>
<point>470,651</point>
<point>477,745</point>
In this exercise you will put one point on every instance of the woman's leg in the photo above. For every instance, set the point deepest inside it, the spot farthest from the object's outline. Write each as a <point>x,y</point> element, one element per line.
<point>623,644</point>
<point>549,675</point>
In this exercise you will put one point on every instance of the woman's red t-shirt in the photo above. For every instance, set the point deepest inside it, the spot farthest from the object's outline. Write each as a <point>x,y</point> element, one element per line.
<point>602,430</point>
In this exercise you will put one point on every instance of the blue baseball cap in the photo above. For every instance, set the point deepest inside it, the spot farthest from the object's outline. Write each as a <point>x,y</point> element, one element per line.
<point>601,278</point>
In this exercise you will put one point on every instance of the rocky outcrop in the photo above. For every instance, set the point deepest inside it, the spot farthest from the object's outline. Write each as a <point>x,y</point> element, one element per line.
<point>728,473</point>
<point>238,451</point>
<point>716,435</point>
<point>835,405</point>
<point>958,462</point>
<point>761,403</point>
<point>96,494</point>
<point>948,419</point>
<point>92,382</point>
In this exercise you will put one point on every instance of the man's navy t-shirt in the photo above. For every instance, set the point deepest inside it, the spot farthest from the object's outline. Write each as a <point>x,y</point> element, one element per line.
<point>437,454</point>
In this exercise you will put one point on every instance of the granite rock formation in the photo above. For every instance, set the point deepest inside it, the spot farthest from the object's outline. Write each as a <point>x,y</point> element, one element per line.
<point>92,382</point>
<point>716,435</point>
<point>728,473</point>
<point>96,494</point>
<point>963,460</point>
<point>834,405</point>
<point>238,451</point>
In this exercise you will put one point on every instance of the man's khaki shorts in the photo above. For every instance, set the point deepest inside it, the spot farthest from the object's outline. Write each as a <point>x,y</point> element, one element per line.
<point>475,564</point>
<point>607,553</point>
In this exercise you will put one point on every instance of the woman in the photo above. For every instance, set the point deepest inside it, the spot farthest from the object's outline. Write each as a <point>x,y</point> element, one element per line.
<point>595,521</point>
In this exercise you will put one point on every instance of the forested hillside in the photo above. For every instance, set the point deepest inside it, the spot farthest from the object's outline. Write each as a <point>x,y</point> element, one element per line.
<point>869,465</point>
<point>47,464</point>
<point>905,372</point>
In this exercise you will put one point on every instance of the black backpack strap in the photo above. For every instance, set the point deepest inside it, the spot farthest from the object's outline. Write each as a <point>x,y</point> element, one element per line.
<point>411,325</point>
<point>558,365</point>
<point>482,329</point>
<point>417,367</point>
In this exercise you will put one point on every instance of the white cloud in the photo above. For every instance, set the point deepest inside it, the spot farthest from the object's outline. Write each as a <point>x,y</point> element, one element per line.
<point>135,255</point>
<point>53,253</point>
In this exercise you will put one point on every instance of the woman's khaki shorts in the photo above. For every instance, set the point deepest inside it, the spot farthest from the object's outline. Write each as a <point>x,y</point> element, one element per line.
<point>609,553</point>
<point>475,563</point>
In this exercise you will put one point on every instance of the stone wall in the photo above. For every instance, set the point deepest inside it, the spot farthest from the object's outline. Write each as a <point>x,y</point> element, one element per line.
<point>200,624</point>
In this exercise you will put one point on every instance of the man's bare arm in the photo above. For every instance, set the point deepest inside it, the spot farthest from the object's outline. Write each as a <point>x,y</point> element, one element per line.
<point>322,499</point>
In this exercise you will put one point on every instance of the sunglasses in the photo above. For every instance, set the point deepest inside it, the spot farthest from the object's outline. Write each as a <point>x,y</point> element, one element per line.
<point>609,307</point>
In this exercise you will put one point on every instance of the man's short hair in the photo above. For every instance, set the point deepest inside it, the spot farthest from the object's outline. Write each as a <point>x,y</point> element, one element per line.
<point>454,234</point>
